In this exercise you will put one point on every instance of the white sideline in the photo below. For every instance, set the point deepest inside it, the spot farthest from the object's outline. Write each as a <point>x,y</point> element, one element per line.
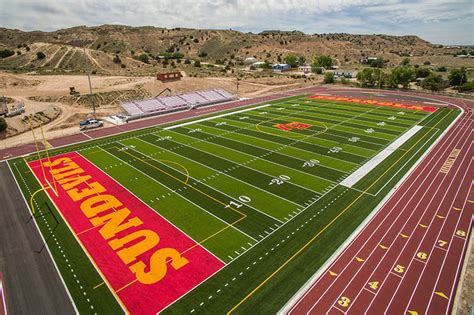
<point>352,179</point>
<point>212,117</point>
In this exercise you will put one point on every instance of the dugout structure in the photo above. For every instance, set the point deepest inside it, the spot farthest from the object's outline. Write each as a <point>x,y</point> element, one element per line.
<point>169,76</point>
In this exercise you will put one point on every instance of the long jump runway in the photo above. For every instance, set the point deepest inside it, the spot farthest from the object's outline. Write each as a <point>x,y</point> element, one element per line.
<point>408,257</point>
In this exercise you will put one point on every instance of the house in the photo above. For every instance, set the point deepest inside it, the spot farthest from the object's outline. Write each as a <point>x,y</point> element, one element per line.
<point>305,69</point>
<point>345,74</point>
<point>279,67</point>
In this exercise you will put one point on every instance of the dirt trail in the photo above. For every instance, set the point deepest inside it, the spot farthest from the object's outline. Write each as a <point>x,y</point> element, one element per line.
<point>68,49</point>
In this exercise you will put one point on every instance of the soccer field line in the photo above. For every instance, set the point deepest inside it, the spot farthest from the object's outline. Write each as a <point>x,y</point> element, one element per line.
<point>408,161</point>
<point>224,172</point>
<point>409,115</point>
<point>331,134</point>
<point>202,181</point>
<point>226,223</point>
<point>355,106</point>
<point>387,129</point>
<point>260,157</point>
<point>328,127</point>
<point>284,239</point>
<point>236,132</point>
<point>268,235</point>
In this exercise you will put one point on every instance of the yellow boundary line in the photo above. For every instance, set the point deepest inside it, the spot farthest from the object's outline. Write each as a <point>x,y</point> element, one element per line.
<point>330,223</point>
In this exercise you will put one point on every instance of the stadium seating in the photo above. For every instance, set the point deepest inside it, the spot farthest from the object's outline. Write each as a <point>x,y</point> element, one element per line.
<point>167,104</point>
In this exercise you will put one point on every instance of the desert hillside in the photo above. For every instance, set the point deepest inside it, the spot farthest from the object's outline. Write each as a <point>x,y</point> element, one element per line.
<point>115,49</point>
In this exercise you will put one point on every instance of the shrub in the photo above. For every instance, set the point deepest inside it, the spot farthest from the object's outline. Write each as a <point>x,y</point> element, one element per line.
<point>143,58</point>
<point>467,87</point>
<point>117,59</point>
<point>187,62</point>
<point>427,63</point>
<point>6,53</point>
<point>329,77</point>
<point>197,63</point>
<point>3,124</point>
<point>441,69</point>
<point>40,55</point>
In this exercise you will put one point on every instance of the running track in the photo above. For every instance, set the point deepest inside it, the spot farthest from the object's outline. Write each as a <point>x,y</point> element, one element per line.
<point>407,259</point>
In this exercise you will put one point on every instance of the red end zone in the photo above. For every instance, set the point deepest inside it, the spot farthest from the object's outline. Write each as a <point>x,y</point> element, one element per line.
<point>372,102</point>
<point>145,260</point>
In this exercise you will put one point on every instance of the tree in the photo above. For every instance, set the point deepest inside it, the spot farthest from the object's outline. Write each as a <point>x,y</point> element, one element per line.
<point>377,63</point>
<point>433,82</point>
<point>371,77</point>
<point>458,77</point>
<point>6,53</point>
<point>292,60</point>
<point>422,72</point>
<point>328,77</point>
<point>40,55</point>
<point>400,76</point>
<point>3,124</point>
<point>322,61</point>
<point>467,87</point>
<point>301,60</point>
<point>441,69</point>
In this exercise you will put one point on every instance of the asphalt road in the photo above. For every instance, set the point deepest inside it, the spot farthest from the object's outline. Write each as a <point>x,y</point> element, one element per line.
<point>31,283</point>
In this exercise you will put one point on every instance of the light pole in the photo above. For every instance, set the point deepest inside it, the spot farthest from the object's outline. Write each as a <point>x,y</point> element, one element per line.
<point>90,84</point>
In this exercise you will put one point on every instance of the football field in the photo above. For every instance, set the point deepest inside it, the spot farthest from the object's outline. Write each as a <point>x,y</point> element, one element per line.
<point>226,213</point>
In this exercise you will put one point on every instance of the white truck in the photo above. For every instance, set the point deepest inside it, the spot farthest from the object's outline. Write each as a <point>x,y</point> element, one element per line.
<point>90,123</point>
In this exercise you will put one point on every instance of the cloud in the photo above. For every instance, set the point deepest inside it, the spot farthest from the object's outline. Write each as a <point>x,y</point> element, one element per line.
<point>440,21</point>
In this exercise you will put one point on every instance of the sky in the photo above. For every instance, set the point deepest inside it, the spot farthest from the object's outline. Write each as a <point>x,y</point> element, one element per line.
<point>447,22</point>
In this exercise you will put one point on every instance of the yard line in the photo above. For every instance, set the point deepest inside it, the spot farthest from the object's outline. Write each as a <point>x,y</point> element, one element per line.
<point>226,223</point>
<point>260,158</point>
<point>277,150</point>
<point>266,214</point>
<point>222,172</point>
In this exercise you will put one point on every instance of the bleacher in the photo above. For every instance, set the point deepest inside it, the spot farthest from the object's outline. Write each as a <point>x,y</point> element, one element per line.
<point>168,104</point>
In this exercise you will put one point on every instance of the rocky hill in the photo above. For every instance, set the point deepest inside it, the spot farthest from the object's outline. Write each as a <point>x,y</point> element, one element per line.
<point>115,49</point>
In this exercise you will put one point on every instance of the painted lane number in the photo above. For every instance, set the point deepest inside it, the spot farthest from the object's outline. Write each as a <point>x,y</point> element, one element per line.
<point>344,301</point>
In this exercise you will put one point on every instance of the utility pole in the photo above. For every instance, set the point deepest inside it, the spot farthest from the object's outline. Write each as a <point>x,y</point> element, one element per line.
<point>237,83</point>
<point>90,84</point>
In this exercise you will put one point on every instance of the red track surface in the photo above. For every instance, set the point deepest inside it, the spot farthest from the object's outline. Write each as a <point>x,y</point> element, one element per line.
<point>413,247</point>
